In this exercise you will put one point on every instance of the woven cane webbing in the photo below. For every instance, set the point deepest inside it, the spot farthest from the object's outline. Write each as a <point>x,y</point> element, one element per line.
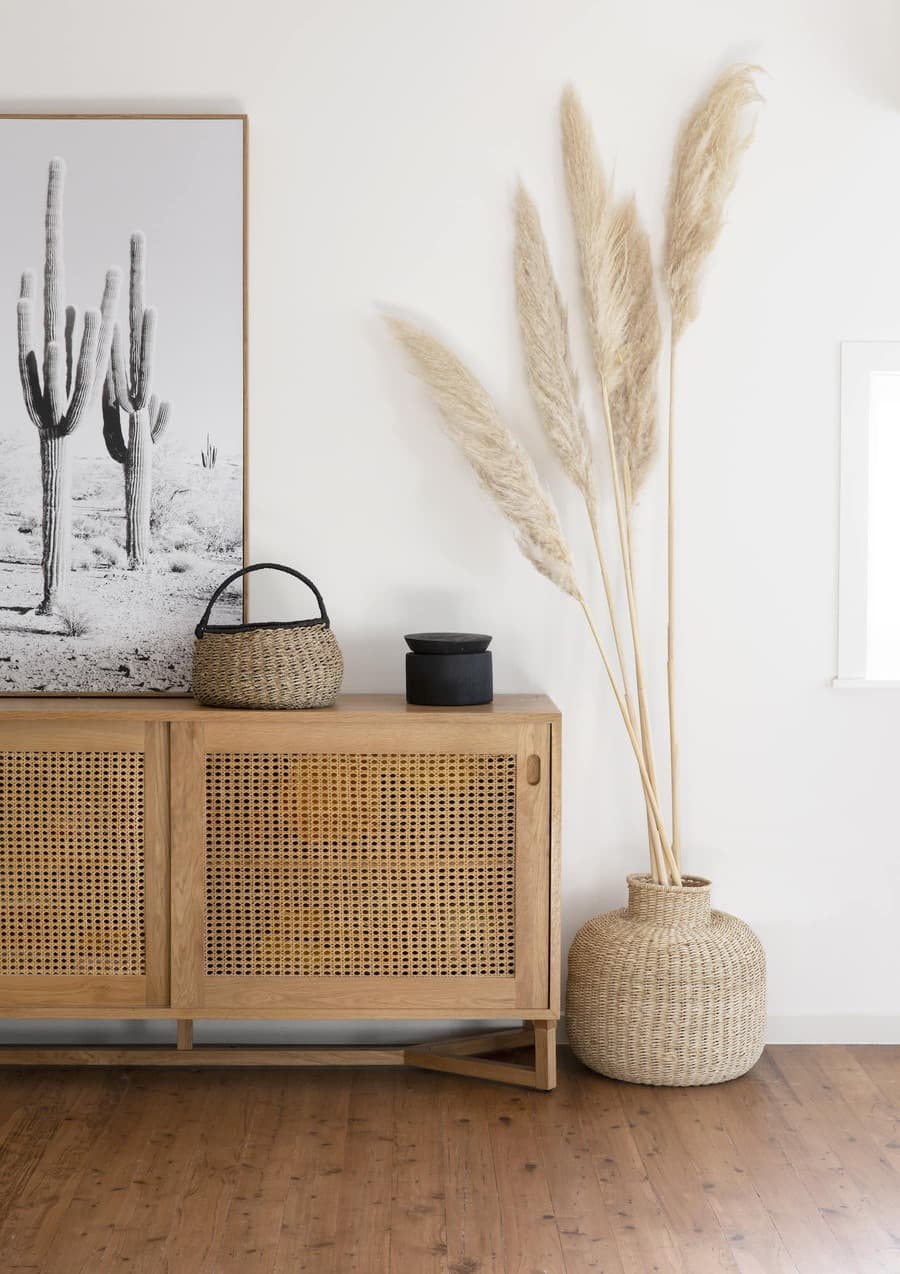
<point>342,865</point>
<point>71,863</point>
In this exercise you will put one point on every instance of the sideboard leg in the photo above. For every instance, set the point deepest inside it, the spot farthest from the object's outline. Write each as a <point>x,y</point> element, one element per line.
<point>185,1033</point>
<point>466,1056</point>
<point>545,1055</point>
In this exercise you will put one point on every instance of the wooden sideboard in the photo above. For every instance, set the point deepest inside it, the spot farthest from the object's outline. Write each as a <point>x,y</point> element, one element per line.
<point>159,859</point>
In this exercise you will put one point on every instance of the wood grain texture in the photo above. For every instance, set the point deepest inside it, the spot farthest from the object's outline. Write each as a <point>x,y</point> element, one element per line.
<point>319,1123</point>
<point>156,862</point>
<point>69,731</point>
<point>545,1054</point>
<point>188,889</point>
<point>71,1009</point>
<point>326,730</point>
<point>555,957</point>
<point>187,1055</point>
<point>318,997</point>
<point>532,928</point>
<point>418,1221</point>
<point>791,1170</point>
<point>500,1072</point>
<point>72,996</point>
<point>177,708</point>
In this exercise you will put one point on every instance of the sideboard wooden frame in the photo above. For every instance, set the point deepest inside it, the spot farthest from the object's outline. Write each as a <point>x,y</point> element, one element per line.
<point>172,736</point>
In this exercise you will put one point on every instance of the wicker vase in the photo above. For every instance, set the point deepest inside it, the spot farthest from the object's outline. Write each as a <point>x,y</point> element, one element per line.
<point>666,990</point>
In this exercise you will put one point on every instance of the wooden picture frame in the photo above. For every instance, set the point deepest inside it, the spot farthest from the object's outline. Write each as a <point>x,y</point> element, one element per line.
<point>110,548</point>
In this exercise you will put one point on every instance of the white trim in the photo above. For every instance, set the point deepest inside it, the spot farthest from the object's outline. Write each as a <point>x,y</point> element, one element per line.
<point>856,367</point>
<point>848,1028</point>
<point>859,360</point>
<point>862,683</point>
<point>840,1028</point>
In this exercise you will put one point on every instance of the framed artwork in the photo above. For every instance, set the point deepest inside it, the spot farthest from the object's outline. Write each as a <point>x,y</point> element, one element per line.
<point>123,413</point>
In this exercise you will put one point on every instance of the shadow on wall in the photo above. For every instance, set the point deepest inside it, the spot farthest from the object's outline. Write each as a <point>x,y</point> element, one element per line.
<point>85,1033</point>
<point>871,41</point>
<point>375,659</point>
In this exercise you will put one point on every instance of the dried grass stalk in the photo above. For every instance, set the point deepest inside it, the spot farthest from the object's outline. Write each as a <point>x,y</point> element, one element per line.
<point>623,324</point>
<point>602,247</point>
<point>555,390</point>
<point>507,473</point>
<point>503,467</point>
<point>704,170</point>
<point>633,401</point>
<point>619,292</point>
<point>545,339</point>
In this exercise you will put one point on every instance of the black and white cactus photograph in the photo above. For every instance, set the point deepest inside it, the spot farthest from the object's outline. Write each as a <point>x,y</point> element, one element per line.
<point>122,409</point>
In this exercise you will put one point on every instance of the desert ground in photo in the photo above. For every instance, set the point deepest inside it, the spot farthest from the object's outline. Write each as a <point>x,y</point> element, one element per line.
<point>121,631</point>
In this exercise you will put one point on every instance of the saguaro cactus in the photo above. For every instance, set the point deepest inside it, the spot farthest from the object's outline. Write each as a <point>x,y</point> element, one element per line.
<point>128,389</point>
<point>209,454</point>
<point>58,404</point>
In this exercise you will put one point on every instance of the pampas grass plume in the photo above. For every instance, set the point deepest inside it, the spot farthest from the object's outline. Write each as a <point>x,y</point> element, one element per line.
<point>619,293</point>
<point>545,338</point>
<point>502,465</point>
<point>600,244</point>
<point>704,170</point>
<point>633,401</point>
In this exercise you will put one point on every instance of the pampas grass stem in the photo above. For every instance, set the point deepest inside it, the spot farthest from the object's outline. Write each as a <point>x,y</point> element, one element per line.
<point>656,861</point>
<point>670,625</point>
<point>619,501</point>
<point>660,872</point>
<point>622,316</point>
<point>623,324</point>
<point>704,170</point>
<point>554,386</point>
<point>505,470</point>
<point>635,742</point>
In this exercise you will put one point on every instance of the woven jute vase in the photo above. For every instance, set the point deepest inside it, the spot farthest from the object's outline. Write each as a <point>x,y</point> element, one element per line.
<point>666,990</point>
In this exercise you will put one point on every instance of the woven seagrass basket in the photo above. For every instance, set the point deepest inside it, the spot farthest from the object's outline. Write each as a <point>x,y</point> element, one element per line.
<point>279,664</point>
<point>666,990</point>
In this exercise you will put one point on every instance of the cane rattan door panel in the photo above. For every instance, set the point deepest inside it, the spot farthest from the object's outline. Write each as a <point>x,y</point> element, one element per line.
<point>324,866</point>
<point>82,853</point>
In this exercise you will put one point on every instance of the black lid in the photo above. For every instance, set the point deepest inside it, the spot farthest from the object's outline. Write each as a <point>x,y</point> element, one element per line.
<point>447,643</point>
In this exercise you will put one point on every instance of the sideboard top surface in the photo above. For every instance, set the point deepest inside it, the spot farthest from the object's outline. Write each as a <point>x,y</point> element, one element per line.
<point>172,708</point>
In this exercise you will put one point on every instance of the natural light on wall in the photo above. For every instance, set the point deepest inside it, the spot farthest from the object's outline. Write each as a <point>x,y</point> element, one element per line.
<point>869,636</point>
<point>883,619</point>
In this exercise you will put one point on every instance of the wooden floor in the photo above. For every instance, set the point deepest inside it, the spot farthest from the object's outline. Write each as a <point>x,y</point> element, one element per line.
<point>794,1168</point>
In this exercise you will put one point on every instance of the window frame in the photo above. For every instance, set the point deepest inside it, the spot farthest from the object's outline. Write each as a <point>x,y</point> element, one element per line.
<point>859,361</point>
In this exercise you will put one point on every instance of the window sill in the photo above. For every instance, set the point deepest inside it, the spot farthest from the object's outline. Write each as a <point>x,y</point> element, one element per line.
<point>863,683</point>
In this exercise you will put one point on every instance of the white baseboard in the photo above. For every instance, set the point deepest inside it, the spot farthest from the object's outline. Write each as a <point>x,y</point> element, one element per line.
<point>840,1029</point>
<point>847,1028</point>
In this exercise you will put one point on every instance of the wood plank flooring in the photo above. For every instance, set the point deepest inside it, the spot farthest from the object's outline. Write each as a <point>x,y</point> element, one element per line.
<point>794,1169</point>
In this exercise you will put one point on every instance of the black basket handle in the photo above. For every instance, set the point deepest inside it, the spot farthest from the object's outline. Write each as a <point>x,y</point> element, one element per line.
<point>247,570</point>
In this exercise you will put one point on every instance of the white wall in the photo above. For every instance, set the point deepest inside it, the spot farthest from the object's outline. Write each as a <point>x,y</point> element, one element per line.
<point>385,141</point>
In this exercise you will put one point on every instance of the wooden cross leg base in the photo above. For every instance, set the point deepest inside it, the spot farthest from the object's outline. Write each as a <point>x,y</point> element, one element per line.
<point>456,1056</point>
<point>465,1056</point>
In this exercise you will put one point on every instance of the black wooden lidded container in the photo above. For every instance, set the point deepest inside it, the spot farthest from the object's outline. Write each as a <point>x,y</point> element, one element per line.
<point>448,670</point>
